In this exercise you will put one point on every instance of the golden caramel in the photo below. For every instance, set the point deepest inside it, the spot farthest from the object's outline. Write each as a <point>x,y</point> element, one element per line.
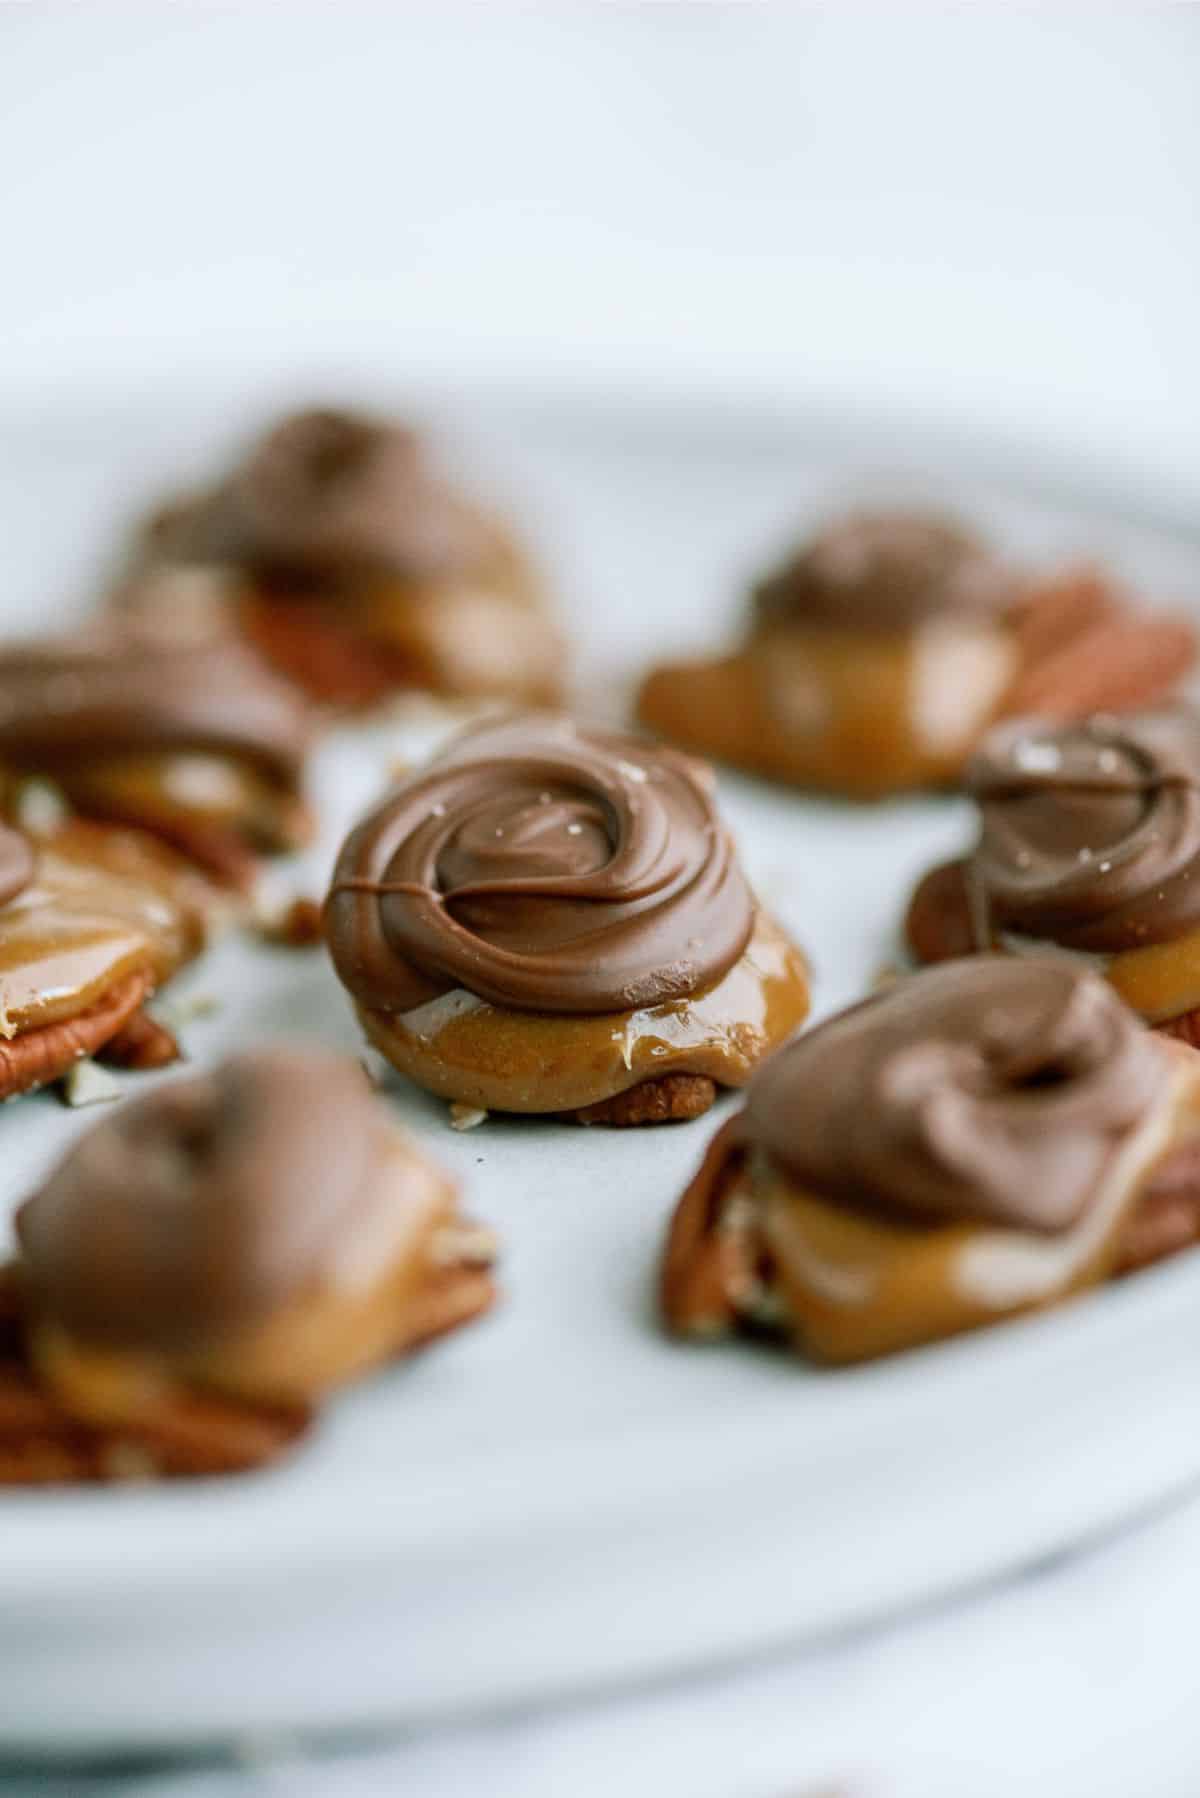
<point>352,1320</point>
<point>99,907</point>
<point>1161,980</point>
<point>864,713</point>
<point>463,1048</point>
<point>854,1286</point>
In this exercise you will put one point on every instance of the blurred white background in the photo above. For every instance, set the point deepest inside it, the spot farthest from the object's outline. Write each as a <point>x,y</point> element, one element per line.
<point>981,214</point>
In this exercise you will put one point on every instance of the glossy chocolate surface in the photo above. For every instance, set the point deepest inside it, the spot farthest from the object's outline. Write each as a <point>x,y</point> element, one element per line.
<point>543,868</point>
<point>1089,833</point>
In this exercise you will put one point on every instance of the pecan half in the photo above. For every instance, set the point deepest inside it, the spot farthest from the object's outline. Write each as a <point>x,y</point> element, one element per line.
<point>37,1057</point>
<point>1054,613</point>
<point>937,925</point>
<point>670,1099</point>
<point>140,1044</point>
<point>310,644</point>
<point>713,1273</point>
<point>190,1434</point>
<point>1117,664</point>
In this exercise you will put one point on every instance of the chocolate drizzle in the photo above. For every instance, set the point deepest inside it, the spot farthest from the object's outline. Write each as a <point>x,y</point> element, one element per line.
<point>205,1205</point>
<point>886,571</point>
<point>80,699</point>
<point>1089,833</point>
<point>543,868</point>
<point>992,1089</point>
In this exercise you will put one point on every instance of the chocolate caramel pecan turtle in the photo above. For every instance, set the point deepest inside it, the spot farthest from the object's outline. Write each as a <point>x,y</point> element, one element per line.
<point>880,651</point>
<point>93,922</point>
<point>982,1139</point>
<point>197,743</point>
<point>1088,842</point>
<point>548,918</point>
<point>356,568</point>
<point>207,1265</point>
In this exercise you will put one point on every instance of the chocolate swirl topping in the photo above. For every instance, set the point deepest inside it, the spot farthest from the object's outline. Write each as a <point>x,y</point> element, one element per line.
<point>112,693</point>
<point>16,863</point>
<point>328,493</point>
<point>544,868</point>
<point>1089,833</point>
<point>886,571</point>
<point>210,1202</point>
<point>993,1090</point>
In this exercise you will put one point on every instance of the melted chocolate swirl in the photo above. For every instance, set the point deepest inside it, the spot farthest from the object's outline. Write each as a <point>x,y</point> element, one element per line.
<point>992,1089</point>
<point>1089,833</point>
<point>543,868</point>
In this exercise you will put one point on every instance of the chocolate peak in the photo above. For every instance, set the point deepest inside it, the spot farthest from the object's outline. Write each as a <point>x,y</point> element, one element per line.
<point>209,1202</point>
<point>886,571</point>
<point>544,868</point>
<point>1089,833</point>
<point>326,493</point>
<point>992,1089</point>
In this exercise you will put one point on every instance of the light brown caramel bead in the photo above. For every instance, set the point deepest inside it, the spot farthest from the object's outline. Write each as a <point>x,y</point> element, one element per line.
<point>464,1049</point>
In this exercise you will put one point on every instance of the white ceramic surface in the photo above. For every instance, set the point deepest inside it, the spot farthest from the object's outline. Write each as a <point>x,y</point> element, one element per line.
<point>558,1497</point>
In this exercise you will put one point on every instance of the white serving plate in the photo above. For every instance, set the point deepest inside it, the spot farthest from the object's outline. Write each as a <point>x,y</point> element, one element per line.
<point>559,1498</point>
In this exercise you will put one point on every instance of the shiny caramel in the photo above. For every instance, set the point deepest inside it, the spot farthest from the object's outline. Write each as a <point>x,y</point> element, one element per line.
<point>160,792</point>
<point>860,712</point>
<point>853,1285</point>
<point>463,1048</point>
<point>1161,980</point>
<point>100,907</point>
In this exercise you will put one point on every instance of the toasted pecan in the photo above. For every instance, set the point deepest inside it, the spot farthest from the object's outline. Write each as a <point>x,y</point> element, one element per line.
<point>300,926</point>
<point>1184,1029</point>
<point>1167,1218</point>
<point>36,1057</point>
<point>453,1296</point>
<point>322,652</point>
<point>670,1099</point>
<point>709,1249</point>
<point>190,1434</point>
<point>140,1044</point>
<point>1117,664</point>
<point>1054,613</point>
<point>937,925</point>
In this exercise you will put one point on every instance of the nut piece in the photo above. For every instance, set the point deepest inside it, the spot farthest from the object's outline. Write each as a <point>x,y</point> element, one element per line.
<point>87,1083</point>
<point>466,1117</point>
<point>38,1057</point>
<point>140,1044</point>
<point>670,1099</point>
<point>298,926</point>
<point>938,924</point>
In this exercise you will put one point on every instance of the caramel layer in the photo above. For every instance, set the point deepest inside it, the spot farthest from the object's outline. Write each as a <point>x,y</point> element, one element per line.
<point>851,712</point>
<point>463,1048</point>
<point>855,1286</point>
